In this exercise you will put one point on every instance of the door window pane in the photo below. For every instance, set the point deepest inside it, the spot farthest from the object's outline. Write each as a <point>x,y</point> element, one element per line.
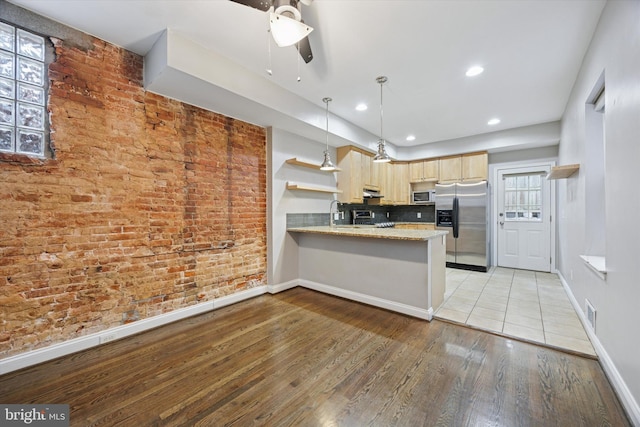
<point>523,198</point>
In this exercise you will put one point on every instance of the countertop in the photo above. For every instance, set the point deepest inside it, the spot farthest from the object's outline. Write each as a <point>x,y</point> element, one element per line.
<point>371,232</point>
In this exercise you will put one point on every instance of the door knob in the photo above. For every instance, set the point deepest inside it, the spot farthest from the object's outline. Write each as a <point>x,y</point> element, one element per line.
<point>501,222</point>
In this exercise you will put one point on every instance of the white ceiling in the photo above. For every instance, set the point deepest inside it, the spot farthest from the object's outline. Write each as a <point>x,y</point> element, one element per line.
<point>531,51</point>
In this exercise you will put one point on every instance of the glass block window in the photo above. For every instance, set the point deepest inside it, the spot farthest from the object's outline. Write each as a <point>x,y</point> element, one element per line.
<point>23,120</point>
<point>523,197</point>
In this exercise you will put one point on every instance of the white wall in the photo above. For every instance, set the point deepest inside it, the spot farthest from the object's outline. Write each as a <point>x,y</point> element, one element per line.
<point>522,138</point>
<point>282,250</point>
<point>615,49</point>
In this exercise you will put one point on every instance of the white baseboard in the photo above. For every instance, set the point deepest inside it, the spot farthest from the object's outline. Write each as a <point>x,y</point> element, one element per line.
<point>618,383</point>
<point>34,357</point>
<point>274,289</point>
<point>368,299</point>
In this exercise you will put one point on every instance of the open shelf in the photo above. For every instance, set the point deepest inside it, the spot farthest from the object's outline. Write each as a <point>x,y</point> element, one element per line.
<point>305,187</point>
<point>597,264</point>
<point>297,162</point>
<point>562,172</point>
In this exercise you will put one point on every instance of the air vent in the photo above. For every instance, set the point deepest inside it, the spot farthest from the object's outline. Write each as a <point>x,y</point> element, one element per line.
<point>591,314</point>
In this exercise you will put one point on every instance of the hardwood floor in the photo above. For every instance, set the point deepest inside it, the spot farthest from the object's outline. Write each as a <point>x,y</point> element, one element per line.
<point>304,358</point>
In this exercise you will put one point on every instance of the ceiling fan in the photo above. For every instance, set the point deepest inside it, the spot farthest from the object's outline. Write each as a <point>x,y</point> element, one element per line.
<point>287,26</point>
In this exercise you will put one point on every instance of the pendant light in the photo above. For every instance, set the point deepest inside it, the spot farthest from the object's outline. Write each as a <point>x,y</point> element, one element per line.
<point>381,156</point>
<point>327,165</point>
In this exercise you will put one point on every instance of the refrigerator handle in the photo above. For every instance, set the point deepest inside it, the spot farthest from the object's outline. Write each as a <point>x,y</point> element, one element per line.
<point>455,218</point>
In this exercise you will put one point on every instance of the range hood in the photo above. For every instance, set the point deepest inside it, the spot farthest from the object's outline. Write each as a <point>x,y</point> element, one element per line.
<point>371,193</point>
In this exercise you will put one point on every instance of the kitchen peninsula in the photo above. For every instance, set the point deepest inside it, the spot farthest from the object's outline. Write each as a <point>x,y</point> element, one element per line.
<point>396,269</point>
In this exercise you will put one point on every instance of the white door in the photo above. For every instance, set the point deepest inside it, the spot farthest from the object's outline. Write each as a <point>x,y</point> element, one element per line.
<point>524,218</point>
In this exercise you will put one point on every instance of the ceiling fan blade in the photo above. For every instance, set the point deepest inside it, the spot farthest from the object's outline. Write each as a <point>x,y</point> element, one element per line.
<point>262,5</point>
<point>304,48</point>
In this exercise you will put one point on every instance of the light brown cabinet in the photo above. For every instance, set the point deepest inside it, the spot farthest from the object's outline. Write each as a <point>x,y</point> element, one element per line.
<point>370,172</point>
<point>415,226</point>
<point>395,187</point>
<point>357,171</point>
<point>424,171</point>
<point>350,176</point>
<point>393,180</point>
<point>450,169</point>
<point>401,188</point>
<point>467,167</point>
<point>474,166</point>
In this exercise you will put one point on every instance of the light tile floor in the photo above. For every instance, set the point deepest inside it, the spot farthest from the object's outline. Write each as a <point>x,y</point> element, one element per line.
<point>522,304</point>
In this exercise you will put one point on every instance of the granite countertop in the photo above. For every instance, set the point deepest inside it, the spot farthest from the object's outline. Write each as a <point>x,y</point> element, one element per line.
<point>371,232</point>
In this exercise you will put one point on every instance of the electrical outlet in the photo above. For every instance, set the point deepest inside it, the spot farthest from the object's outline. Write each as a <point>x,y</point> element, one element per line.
<point>108,337</point>
<point>373,214</point>
<point>387,214</point>
<point>419,215</point>
<point>336,216</point>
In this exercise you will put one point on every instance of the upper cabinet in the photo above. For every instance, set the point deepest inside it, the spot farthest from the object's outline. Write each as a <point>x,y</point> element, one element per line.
<point>395,184</point>
<point>467,167</point>
<point>350,177</point>
<point>424,170</point>
<point>450,169</point>
<point>475,166</point>
<point>371,172</point>
<point>393,180</point>
<point>401,188</point>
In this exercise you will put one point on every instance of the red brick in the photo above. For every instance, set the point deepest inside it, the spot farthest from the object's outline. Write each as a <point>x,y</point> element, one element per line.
<point>137,180</point>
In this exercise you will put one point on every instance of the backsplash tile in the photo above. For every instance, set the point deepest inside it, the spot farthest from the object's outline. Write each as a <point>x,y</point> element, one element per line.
<point>395,214</point>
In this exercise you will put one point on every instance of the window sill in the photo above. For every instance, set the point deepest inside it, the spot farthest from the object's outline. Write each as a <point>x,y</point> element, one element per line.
<point>597,264</point>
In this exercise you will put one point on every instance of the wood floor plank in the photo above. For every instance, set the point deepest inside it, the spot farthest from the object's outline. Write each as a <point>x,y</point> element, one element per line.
<point>304,358</point>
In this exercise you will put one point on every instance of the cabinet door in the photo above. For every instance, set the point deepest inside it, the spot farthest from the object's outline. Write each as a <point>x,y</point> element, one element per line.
<point>401,183</point>
<point>376,173</point>
<point>450,169</point>
<point>365,168</point>
<point>431,170</point>
<point>416,171</point>
<point>350,176</point>
<point>474,167</point>
<point>426,226</point>
<point>370,172</point>
<point>388,188</point>
<point>355,189</point>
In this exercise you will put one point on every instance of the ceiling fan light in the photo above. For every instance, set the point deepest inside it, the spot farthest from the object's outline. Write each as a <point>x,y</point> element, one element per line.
<point>287,31</point>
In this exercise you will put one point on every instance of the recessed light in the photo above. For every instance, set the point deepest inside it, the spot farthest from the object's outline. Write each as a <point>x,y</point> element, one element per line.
<point>361,107</point>
<point>474,71</point>
<point>493,122</point>
<point>411,138</point>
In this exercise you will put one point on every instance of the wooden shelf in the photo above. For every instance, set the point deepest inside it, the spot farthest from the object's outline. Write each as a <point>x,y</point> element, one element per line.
<point>294,186</point>
<point>295,161</point>
<point>562,172</point>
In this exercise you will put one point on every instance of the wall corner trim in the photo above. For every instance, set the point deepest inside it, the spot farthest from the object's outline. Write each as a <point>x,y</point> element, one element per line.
<point>619,385</point>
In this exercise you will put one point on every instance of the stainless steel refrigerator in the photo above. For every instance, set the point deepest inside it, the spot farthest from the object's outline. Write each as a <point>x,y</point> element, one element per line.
<point>462,209</point>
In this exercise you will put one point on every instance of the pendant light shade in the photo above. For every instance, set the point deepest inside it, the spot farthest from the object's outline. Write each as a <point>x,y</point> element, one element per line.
<point>327,164</point>
<point>381,156</point>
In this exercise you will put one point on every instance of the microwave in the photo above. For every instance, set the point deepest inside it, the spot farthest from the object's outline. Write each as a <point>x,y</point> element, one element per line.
<point>423,197</point>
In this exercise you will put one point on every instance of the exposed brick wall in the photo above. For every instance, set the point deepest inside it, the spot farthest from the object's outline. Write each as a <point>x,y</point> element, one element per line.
<point>149,205</point>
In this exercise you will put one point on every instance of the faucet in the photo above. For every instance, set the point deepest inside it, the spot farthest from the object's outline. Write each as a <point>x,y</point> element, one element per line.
<point>331,223</point>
